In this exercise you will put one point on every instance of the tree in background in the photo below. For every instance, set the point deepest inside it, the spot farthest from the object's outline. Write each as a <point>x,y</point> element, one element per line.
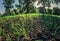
<point>49,5</point>
<point>21,6</point>
<point>28,2</point>
<point>25,6</point>
<point>0,14</point>
<point>8,4</point>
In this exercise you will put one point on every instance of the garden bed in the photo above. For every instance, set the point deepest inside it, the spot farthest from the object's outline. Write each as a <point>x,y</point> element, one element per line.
<point>30,27</point>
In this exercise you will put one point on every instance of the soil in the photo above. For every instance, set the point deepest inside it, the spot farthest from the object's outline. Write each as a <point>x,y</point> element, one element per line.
<point>38,32</point>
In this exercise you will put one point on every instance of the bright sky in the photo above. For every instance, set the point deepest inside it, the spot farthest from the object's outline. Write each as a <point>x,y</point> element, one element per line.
<point>1,6</point>
<point>2,9</point>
